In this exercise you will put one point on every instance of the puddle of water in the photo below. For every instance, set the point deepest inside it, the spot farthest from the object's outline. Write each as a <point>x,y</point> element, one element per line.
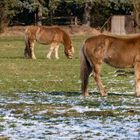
<point>58,116</point>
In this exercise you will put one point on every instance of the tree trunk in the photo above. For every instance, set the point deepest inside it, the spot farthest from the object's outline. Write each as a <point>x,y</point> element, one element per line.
<point>39,15</point>
<point>87,14</point>
<point>3,16</point>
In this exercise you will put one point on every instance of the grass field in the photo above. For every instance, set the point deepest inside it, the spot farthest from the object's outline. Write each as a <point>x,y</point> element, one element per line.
<point>40,99</point>
<point>23,75</point>
<point>18,74</point>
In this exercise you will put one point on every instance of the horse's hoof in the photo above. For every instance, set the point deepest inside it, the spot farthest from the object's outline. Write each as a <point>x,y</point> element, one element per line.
<point>103,94</point>
<point>86,94</point>
<point>137,95</point>
<point>48,57</point>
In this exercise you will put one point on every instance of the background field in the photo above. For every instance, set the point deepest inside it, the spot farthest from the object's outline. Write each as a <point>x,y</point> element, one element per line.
<point>40,99</point>
<point>43,75</point>
<point>23,75</point>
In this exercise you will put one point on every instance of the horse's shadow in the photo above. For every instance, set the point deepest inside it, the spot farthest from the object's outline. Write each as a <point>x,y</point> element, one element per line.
<point>73,93</point>
<point>12,57</point>
<point>55,93</point>
<point>20,58</point>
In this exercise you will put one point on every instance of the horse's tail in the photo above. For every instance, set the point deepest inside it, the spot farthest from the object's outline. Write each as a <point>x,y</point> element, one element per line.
<point>27,51</point>
<point>85,68</point>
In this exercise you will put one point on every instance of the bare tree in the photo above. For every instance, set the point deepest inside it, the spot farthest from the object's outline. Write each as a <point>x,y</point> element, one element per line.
<point>39,11</point>
<point>87,13</point>
<point>2,16</point>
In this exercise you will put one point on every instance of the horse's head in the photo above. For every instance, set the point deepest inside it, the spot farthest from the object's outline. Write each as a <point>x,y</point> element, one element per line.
<point>69,52</point>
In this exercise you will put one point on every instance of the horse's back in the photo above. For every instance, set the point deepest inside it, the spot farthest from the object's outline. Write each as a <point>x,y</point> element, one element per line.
<point>123,51</point>
<point>118,51</point>
<point>116,42</point>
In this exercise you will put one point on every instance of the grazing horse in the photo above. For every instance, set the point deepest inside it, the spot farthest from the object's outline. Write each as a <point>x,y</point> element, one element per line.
<point>44,35</point>
<point>119,52</point>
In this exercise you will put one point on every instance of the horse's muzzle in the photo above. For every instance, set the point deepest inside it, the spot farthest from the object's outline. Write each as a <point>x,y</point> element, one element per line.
<point>69,56</point>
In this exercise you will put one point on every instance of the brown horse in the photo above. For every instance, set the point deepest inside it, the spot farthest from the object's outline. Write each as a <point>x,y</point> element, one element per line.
<point>44,35</point>
<point>119,52</point>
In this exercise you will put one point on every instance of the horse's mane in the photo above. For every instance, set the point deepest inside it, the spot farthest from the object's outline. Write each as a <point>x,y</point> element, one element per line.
<point>66,37</point>
<point>128,36</point>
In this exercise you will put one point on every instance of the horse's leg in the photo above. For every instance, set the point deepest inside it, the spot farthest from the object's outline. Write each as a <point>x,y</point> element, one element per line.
<point>56,51</point>
<point>50,51</point>
<point>27,50</point>
<point>97,77</point>
<point>137,78</point>
<point>32,44</point>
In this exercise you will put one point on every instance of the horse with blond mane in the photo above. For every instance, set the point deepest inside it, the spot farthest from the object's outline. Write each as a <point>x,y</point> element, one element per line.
<point>119,52</point>
<point>47,35</point>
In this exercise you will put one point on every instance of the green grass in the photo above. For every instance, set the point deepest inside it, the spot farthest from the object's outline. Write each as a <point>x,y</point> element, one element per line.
<point>18,74</point>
